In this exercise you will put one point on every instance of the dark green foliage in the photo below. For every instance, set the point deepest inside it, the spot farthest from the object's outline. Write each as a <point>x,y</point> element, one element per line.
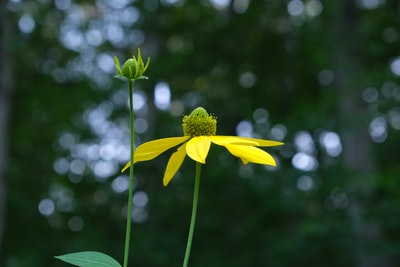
<point>233,64</point>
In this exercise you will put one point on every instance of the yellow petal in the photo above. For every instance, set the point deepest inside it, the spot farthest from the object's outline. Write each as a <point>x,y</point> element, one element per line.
<point>126,167</point>
<point>152,149</point>
<point>222,140</point>
<point>197,148</point>
<point>174,163</point>
<point>251,154</point>
<point>260,142</point>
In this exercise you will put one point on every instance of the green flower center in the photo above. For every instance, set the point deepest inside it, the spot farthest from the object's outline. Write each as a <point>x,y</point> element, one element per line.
<point>199,122</point>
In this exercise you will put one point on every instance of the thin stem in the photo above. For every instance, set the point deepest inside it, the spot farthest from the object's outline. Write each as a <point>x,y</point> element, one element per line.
<point>129,214</point>
<point>194,212</point>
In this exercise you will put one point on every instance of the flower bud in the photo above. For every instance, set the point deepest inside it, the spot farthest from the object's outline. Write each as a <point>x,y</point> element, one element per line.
<point>133,68</point>
<point>130,68</point>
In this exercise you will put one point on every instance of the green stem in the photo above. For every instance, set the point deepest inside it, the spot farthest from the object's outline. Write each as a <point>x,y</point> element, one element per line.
<point>129,214</point>
<point>194,212</point>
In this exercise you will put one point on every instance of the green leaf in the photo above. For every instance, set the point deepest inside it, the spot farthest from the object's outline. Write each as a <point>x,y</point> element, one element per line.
<point>89,259</point>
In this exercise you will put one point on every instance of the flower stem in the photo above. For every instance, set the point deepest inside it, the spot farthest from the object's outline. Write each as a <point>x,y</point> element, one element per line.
<point>194,212</point>
<point>129,213</point>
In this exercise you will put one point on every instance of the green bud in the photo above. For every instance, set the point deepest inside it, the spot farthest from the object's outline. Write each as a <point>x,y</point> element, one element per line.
<point>130,68</point>
<point>133,68</point>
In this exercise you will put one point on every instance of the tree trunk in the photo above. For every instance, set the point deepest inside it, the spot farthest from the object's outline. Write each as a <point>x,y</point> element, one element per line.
<point>353,121</point>
<point>6,84</point>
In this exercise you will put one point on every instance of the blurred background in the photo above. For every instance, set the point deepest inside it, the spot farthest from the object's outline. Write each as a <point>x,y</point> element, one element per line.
<point>321,76</point>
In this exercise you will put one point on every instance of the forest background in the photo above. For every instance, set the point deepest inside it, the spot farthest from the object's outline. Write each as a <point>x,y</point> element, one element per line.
<point>321,76</point>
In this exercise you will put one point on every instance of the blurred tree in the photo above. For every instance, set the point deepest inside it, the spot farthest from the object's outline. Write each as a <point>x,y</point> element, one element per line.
<point>6,85</point>
<point>320,75</point>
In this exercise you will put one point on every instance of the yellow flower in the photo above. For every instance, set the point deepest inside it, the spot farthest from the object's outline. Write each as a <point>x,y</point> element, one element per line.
<point>199,132</point>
